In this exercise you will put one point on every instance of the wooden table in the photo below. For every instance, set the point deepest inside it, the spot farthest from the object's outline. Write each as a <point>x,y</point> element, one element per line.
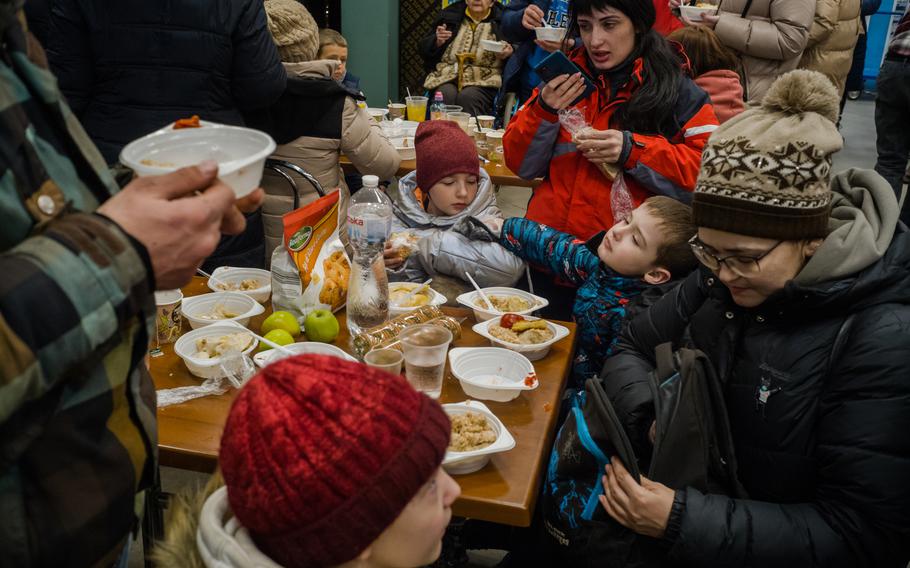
<point>504,491</point>
<point>499,174</point>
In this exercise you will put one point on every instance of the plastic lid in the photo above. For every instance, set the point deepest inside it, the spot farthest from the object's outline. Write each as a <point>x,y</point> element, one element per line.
<point>371,181</point>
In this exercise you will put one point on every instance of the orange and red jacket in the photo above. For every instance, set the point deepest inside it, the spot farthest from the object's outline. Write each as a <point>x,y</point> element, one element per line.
<point>575,196</point>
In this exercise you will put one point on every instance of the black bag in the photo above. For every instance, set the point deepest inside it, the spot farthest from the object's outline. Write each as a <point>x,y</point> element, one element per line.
<point>693,448</point>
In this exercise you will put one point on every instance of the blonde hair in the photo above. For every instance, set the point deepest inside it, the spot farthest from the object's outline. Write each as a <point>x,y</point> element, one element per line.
<point>675,218</point>
<point>328,36</point>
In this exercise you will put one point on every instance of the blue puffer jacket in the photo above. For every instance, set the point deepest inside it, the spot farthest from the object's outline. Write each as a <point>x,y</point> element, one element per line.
<point>128,67</point>
<point>603,295</point>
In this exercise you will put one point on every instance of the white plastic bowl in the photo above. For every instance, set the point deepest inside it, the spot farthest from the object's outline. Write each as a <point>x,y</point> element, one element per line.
<point>185,348</point>
<point>405,147</point>
<point>493,46</point>
<point>492,373</point>
<point>240,153</point>
<point>266,358</point>
<point>534,352</point>
<point>458,463</point>
<point>236,302</point>
<point>470,300</point>
<point>230,275</point>
<point>436,299</point>
<point>550,34</point>
<point>378,114</point>
<point>694,13</point>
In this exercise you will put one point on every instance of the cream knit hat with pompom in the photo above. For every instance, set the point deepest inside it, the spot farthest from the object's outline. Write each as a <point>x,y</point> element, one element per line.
<point>293,29</point>
<point>766,172</point>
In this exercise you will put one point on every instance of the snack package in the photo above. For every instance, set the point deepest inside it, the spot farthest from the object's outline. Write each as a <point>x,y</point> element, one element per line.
<point>310,269</point>
<point>405,242</point>
<point>574,122</point>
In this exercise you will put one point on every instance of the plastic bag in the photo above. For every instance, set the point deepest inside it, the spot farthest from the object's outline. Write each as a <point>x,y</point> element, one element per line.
<point>310,269</point>
<point>209,387</point>
<point>574,122</point>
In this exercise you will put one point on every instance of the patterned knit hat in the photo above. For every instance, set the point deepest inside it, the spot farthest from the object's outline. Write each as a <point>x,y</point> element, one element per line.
<point>766,172</point>
<point>293,29</point>
<point>321,455</point>
<point>443,149</point>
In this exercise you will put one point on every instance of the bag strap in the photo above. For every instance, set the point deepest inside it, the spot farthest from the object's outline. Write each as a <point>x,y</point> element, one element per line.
<point>664,363</point>
<point>746,9</point>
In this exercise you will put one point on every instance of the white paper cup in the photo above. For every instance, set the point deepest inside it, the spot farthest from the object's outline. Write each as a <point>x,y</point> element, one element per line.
<point>168,321</point>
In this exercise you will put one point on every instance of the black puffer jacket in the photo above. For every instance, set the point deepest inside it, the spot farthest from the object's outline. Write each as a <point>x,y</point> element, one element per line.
<point>826,459</point>
<point>129,67</point>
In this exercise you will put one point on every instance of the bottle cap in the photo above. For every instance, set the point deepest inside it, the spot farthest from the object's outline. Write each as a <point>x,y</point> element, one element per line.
<point>371,181</point>
<point>438,96</point>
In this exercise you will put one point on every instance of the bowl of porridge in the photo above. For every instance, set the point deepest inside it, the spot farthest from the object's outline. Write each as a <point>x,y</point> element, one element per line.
<point>220,307</point>
<point>532,337</point>
<point>477,434</point>
<point>254,282</point>
<point>505,300</point>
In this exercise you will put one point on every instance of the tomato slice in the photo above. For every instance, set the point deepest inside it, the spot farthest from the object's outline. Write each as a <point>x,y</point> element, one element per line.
<point>508,320</point>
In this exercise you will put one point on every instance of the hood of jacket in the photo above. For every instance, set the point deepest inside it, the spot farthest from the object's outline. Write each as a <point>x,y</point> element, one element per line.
<point>411,212</point>
<point>865,259</point>
<point>316,69</point>
<point>222,540</point>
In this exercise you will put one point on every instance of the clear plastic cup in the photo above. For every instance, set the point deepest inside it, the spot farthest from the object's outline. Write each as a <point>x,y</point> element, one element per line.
<point>453,108</point>
<point>485,121</point>
<point>463,120</point>
<point>389,360</point>
<point>425,348</point>
<point>417,108</point>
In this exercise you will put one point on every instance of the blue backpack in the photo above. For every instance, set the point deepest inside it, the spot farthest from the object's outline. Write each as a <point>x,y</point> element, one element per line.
<point>693,447</point>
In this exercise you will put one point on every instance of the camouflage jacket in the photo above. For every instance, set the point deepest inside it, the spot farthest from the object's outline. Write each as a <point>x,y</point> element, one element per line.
<point>77,408</point>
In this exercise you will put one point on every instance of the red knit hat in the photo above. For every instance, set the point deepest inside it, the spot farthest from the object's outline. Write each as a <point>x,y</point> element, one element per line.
<point>443,149</point>
<point>321,455</point>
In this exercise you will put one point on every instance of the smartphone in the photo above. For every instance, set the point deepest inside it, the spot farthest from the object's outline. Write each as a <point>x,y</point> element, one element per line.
<point>557,64</point>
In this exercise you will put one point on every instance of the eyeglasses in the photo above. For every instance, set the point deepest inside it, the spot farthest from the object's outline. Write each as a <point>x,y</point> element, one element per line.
<point>744,266</point>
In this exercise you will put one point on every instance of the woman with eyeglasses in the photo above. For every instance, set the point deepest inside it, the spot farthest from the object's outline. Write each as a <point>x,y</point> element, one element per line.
<point>803,307</point>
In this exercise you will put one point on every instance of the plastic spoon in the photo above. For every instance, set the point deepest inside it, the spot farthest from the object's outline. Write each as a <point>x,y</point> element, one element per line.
<point>482,295</point>
<point>404,301</point>
<point>217,282</point>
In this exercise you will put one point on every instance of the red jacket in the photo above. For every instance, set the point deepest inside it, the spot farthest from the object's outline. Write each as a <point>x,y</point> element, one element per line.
<point>665,22</point>
<point>575,196</point>
<point>725,90</point>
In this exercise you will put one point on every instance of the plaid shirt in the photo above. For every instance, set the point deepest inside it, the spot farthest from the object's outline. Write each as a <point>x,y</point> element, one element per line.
<point>900,41</point>
<point>77,408</point>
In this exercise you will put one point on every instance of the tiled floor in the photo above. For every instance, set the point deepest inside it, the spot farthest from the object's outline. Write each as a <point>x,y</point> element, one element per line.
<point>858,129</point>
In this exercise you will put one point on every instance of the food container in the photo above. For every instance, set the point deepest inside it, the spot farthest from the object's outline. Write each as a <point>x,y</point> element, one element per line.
<point>378,114</point>
<point>535,351</point>
<point>458,463</point>
<point>405,147</point>
<point>185,348</point>
<point>234,302</point>
<point>550,34</point>
<point>229,275</point>
<point>493,46</point>
<point>266,358</point>
<point>240,153</point>
<point>436,299</point>
<point>470,300</point>
<point>694,13</point>
<point>492,373</point>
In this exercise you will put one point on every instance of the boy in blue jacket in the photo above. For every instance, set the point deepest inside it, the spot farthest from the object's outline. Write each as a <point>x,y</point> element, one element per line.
<point>648,248</point>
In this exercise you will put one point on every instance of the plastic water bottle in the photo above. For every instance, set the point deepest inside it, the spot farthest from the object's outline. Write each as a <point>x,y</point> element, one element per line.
<point>369,223</point>
<point>438,108</point>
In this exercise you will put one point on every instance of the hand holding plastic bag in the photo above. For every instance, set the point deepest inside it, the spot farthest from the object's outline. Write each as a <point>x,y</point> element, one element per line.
<point>574,122</point>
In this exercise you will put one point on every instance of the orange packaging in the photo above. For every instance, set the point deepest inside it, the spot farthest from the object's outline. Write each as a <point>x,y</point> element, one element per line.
<point>315,253</point>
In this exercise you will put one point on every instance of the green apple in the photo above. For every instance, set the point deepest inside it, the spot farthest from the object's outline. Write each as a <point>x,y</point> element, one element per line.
<point>279,336</point>
<point>321,325</point>
<point>280,320</point>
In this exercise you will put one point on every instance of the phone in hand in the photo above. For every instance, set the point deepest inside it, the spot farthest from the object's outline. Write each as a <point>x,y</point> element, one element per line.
<point>557,64</point>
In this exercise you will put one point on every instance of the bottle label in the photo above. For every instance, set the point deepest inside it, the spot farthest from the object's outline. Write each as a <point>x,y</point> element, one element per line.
<point>368,228</point>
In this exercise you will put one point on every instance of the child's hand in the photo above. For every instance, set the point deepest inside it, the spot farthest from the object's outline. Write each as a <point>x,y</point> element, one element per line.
<point>392,257</point>
<point>600,146</point>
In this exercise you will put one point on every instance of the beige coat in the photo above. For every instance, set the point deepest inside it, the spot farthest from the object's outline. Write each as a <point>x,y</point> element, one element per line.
<point>770,39</point>
<point>832,39</point>
<point>359,138</point>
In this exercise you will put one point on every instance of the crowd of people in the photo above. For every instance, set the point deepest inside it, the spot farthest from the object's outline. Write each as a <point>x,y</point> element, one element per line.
<point>687,197</point>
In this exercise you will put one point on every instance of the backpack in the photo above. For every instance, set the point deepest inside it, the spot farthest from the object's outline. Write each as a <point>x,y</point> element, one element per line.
<point>693,447</point>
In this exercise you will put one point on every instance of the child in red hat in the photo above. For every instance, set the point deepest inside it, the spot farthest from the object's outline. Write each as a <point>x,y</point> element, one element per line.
<point>439,209</point>
<point>326,463</point>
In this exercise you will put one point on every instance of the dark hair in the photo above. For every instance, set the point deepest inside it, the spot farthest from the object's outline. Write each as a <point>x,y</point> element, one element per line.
<point>677,227</point>
<point>651,108</point>
<point>705,51</point>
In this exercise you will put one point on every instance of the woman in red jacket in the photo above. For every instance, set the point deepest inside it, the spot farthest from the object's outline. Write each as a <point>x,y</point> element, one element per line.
<point>648,119</point>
